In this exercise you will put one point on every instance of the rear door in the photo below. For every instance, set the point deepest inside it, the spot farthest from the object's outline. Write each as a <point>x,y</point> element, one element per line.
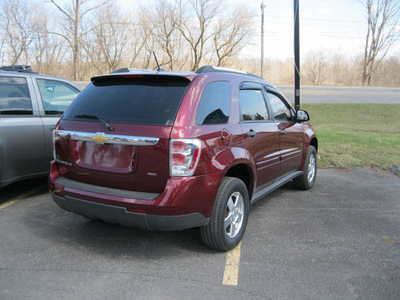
<point>54,96</point>
<point>260,132</point>
<point>22,144</point>
<point>116,133</point>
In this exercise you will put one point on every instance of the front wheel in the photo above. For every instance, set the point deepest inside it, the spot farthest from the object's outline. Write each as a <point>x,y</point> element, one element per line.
<point>229,217</point>
<point>307,179</point>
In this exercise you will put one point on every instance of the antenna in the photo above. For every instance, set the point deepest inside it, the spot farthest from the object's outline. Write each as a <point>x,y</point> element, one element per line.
<point>158,65</point>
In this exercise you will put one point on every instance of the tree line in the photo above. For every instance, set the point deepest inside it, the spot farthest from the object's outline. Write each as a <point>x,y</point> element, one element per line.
<point>77,39</point>
<point>84,37</point>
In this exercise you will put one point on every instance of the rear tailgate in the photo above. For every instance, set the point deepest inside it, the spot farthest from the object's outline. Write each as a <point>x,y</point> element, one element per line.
<point>134,154</point>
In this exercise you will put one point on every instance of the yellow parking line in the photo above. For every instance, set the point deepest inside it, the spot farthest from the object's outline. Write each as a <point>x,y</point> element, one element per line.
<point>20,197</point>
<point>231,272</point>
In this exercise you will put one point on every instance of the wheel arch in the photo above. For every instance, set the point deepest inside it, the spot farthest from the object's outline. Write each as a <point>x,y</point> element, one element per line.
<point>314,142</point>
<point>310,141</point>
<point>244,173</point>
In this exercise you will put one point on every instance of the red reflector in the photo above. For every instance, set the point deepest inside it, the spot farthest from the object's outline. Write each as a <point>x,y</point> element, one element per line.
<point>54,172</point>
<point>59,193</point>
<point>140,211</point>
<point>194,159</point>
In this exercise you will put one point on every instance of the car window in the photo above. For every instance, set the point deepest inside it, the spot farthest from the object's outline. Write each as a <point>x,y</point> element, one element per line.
<point>280,110</point>
<point>15,98</point>
<point>139,100</point>
<point>215,104</point>
<point>56,95</point>
<point>252,105</point>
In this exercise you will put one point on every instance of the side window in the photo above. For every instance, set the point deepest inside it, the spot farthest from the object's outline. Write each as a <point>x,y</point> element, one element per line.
<point>252,105</point>
<point>215,104</point>
<point>14,96</point>
<point>279,108</point>
<point>56,95</point>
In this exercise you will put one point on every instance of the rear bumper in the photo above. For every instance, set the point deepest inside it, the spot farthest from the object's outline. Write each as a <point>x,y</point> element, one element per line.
<point>120,215</point>
<point>186,202</point>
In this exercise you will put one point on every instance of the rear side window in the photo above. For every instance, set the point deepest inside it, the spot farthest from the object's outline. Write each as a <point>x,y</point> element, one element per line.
<point>215,104</point>
<point>131,99</point>
<point>14,96</point>
<point>56,95</point>
<point>252,105</point>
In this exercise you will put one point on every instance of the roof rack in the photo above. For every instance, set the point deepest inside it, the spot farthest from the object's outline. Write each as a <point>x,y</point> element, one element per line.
<point>17,68</point>
<point>207,69</point>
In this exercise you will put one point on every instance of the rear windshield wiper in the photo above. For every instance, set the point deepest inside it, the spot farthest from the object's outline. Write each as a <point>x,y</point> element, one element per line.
<point>85,116</point>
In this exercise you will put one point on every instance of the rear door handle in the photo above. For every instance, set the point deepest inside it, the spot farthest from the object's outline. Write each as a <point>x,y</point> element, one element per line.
<point>283,131</point>
<point>251,133</point>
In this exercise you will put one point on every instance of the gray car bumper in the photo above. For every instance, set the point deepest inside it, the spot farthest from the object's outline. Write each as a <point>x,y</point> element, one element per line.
<point>116,214</point>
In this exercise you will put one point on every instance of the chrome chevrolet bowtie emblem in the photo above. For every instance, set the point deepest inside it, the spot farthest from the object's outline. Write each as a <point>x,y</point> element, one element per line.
<point>99,138</point>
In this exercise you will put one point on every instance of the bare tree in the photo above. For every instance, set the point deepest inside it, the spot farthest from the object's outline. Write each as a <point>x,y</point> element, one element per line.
<point>72,27</point>
<point>231,35</point>
<point>382,33</point>
<point>49,50</point>
<point>164,20</point>
<point>20,27</point>
<point>2,38</point>
<point>315,67</point>
<point>196,17</point>
<point>139,43</point>
<point>388,73</point>
<point>109,35</point>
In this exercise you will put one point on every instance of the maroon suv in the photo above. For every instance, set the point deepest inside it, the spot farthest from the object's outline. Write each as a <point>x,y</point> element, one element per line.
<point>177,150</point>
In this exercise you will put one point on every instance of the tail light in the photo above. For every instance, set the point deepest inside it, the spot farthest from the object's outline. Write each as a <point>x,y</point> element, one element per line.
<point>184,156</point>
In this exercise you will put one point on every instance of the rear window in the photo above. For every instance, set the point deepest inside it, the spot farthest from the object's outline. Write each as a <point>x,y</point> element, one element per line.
<point>131,99</point>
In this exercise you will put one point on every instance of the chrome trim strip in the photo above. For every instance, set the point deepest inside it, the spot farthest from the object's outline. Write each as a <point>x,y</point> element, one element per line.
<point>102,138</point>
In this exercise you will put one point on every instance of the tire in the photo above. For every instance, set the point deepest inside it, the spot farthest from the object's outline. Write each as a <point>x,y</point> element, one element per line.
<point>307,179</point>
<point>229,217</point>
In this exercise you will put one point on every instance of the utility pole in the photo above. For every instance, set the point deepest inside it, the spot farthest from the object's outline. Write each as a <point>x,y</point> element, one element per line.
<point>262,37</point>
<point>296,55</point>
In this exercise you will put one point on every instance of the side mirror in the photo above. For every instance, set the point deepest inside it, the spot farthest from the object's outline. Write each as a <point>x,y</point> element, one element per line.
<point>302,116</point>
<point>49,89</point>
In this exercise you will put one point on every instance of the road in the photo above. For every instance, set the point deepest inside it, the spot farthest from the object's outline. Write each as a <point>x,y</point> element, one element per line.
<point>339,240</point>
<point>336,94</point>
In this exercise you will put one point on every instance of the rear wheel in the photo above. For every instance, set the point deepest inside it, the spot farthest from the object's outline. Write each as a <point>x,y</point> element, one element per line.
<point>229,217</point>
<point>307,179</point>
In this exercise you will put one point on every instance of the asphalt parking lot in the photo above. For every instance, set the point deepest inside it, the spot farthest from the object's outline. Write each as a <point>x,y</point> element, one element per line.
<point>340,240</point>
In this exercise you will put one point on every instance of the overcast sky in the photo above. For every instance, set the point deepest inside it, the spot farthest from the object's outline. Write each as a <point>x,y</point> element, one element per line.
<point>332,26</point>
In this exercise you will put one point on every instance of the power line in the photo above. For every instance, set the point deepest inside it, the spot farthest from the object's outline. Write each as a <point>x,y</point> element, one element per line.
<point>318,19</point>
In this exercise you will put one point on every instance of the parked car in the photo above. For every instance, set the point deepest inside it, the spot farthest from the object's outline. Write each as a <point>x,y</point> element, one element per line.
<point>30,106</point>
<point>177,150</point>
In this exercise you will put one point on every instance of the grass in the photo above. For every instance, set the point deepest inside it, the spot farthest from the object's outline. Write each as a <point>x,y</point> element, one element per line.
<point>356,135</point>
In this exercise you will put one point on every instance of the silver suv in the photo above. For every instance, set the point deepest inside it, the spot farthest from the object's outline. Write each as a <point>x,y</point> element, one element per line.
<point>30,106</point>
